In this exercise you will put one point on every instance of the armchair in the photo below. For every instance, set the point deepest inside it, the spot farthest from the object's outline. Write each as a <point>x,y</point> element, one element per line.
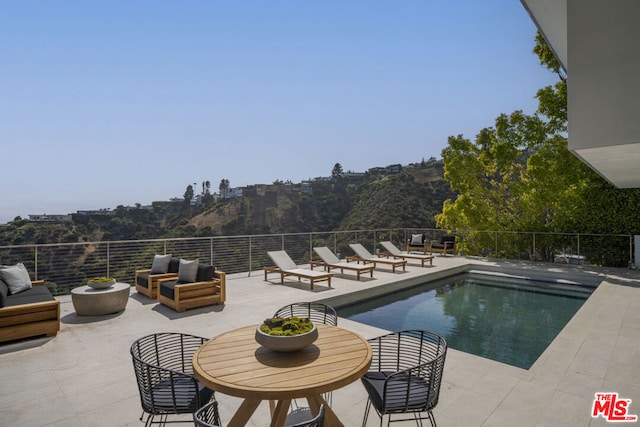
<point>208,288</point>
<point>417,242</point>
<point>445,245</point>
<point>405,375</point>
<point>164,267</point>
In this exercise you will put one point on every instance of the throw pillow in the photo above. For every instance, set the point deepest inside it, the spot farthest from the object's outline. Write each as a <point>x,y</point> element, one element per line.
<point>160,264</point>
<point>417,239</point>
<point>16,277</point>
<point>188,270</point>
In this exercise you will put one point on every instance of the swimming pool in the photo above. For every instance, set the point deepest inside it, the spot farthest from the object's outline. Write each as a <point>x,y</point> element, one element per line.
<point>501,318</point>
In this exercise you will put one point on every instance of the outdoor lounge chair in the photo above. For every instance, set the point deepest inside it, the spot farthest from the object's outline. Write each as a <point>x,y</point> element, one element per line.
<point>330,260</point>
<point>393,251</point>
<point>362,254</point>
<point>287,267</point>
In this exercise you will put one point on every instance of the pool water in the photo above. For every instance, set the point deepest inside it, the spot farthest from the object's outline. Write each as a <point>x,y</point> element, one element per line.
<point>510,321</point>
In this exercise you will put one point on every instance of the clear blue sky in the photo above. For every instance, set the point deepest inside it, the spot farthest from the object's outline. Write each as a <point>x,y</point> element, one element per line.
<point>124,102</point>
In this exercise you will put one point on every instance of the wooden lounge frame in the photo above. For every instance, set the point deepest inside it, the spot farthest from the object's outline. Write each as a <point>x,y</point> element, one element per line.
<point>30,320</point>
<point>363,255</point>
<point>285,266</point>
<point>330,260</point>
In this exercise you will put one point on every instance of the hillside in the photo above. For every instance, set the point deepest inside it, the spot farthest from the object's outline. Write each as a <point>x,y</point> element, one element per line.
<point>410,198</point>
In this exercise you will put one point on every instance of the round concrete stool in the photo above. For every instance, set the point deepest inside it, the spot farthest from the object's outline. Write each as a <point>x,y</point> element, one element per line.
<point>97,302</point>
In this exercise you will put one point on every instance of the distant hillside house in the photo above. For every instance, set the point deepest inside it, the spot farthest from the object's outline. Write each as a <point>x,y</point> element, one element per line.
<point>50,218</point>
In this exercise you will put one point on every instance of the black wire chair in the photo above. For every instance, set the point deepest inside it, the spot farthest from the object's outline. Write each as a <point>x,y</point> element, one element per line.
<point>405,375</point>
<point>163,366</point>
<point>317,421</point>
<point>316,311</point>
<point>207,416</point>
<point>319,313</point>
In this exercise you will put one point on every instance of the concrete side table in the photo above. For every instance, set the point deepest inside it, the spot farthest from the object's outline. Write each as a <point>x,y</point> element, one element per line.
<point>97,302</point>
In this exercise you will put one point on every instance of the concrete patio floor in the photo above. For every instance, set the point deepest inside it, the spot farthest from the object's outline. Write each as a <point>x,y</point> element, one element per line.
<point>84,375</point>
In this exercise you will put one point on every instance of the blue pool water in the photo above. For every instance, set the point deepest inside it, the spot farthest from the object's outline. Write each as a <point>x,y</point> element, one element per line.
<point>511,321</point>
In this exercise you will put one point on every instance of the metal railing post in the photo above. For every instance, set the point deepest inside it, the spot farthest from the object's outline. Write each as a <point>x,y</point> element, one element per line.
<point>534,247</point>
<point>35,261</point>
<point>250,257</point>
<point>108,259</point>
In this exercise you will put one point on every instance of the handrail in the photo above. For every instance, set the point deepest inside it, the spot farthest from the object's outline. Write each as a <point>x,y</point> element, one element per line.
<point>69,264</point>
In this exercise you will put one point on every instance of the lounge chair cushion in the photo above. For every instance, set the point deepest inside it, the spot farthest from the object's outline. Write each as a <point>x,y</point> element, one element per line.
<point>160,264</point>
<point>16,277</point>
<point>4,292</point>
<point>417,239</point>
<point>188,270</point>
<point>31,295</point>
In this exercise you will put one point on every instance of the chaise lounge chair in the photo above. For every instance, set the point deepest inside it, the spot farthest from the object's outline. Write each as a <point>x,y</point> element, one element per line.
<point>362,254</point>
<point>392,250</point>
<point>286,267</point>
<point>330,261</point>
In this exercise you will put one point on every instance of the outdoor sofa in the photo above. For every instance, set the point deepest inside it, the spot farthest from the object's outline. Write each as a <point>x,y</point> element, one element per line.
<point>29,313</point>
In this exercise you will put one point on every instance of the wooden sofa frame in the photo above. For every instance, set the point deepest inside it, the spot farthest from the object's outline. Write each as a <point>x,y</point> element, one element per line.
<point>151,290</point>
<point>29,320</point>
<point>196,294</point>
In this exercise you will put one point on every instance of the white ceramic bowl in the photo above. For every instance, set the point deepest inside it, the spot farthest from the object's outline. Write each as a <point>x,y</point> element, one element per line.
<point>286,343</point>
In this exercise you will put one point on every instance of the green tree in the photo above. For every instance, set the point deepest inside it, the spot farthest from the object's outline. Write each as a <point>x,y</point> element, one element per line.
<point>223,187</point>
<point>188,195</point>
<point>520,175</point>
<point>337,172</point>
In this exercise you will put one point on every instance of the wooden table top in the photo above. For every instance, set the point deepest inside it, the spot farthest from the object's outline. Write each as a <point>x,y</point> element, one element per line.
<point>234,363</point>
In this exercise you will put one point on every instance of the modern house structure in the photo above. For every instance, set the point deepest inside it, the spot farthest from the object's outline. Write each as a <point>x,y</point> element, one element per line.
<point>598,44</point>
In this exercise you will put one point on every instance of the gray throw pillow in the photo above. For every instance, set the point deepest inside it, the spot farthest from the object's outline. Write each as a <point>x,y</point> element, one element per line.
<point>188,270</point>
<point>160,264</point>
<point>417,239</point>
<point>16,277</point>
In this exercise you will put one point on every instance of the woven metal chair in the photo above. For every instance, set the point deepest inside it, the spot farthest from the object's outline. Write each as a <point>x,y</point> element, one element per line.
<point>405,375</point>
<point>317,312</point>
<point>317,421</point>
<point>163,366</point>
<point>207,416</point>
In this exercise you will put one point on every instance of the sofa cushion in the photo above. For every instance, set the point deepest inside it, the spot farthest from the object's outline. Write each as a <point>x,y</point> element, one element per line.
<point>4,292</point>
<point>188,270</point>
<point>34,294</point>
<point>167,289</point>
<point>447,239</point>
<point>160,264</point>
<point>16,277</point>
<point>174,265</point>
<point>142,279</point>
<point>417,239</point>
<point>205,273</point>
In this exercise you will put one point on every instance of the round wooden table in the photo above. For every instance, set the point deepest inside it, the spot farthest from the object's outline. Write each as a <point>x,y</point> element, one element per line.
<point>234,363</point>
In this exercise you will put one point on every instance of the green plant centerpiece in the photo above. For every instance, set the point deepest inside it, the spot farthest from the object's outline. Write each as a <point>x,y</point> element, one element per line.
<point>286,333</point>
<point>101,282</point>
